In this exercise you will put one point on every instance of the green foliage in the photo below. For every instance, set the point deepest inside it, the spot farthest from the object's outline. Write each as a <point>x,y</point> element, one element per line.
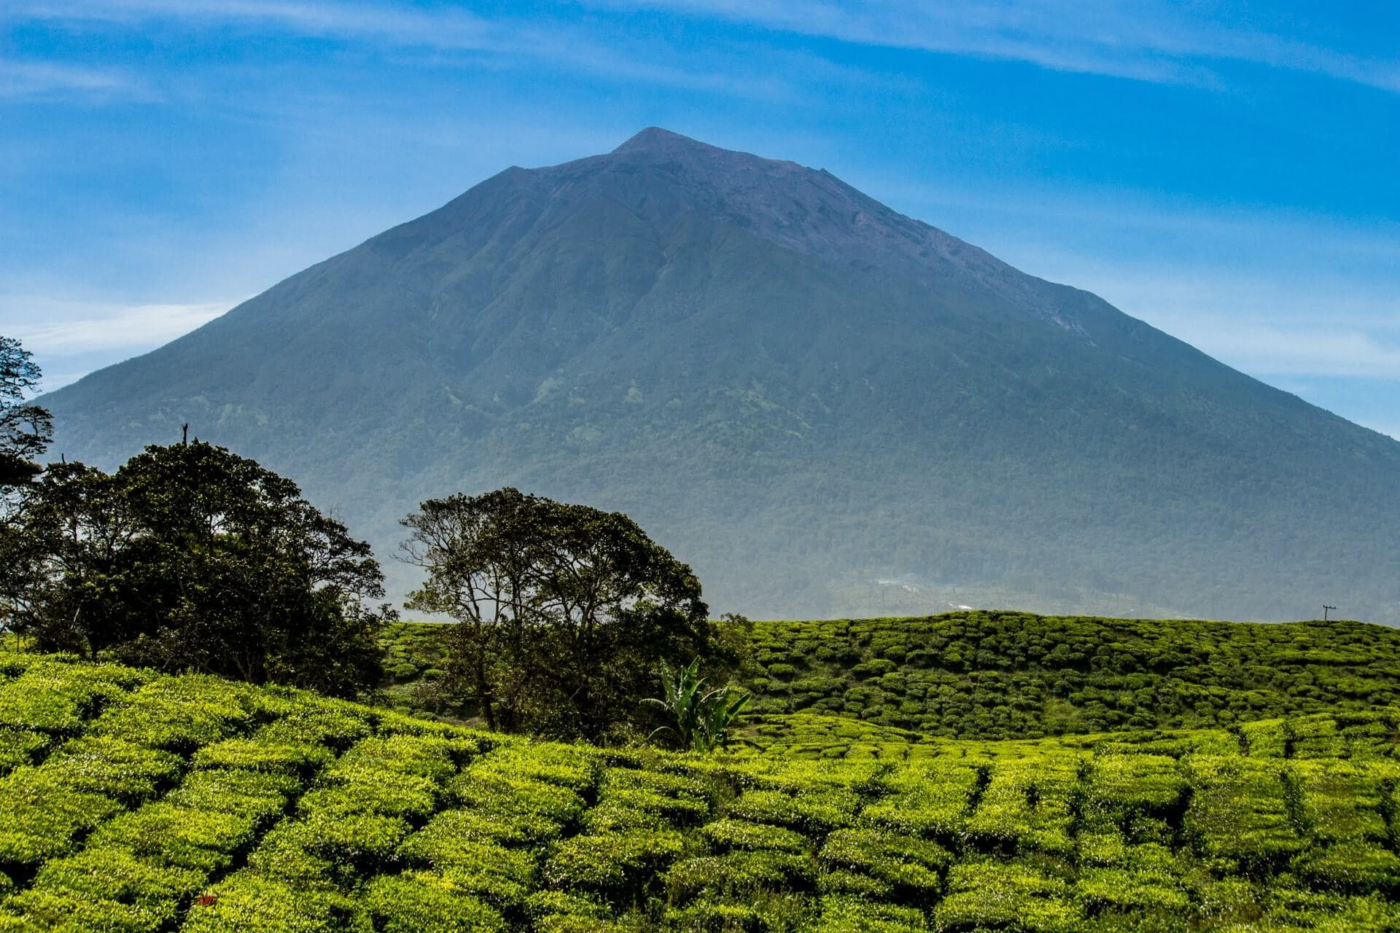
<point>192,558</point>
<point>20,747</point>
<point>696,719</point>
<point>43,815</point>
<point>727,834</point>
<point>249,811</point>
<point>180,714</point>
<point>615,865</point>
<point>416,902</point>
<point>257,796</point>
<point>1015,675</point>
<point>166,833</point>
<point>248,901</point>
<point>58,697</point>
<point>561,611</point>
<point>119,769</point>
<point>983,894</point>
<point>26,429</point>
<point>265,752</point>
<point>877,686</point>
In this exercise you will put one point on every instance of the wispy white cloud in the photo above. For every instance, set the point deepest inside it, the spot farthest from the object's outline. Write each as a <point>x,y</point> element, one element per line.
<point>444,31</point>
<point>1274,326</point>
<point>1141,39</point>
<point>62,328</point>
<point>27,79</point>
<point>447,27</point>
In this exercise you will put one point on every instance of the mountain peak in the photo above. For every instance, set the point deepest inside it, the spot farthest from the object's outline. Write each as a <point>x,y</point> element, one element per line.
<point>831,409</point>
<point>656,139</point>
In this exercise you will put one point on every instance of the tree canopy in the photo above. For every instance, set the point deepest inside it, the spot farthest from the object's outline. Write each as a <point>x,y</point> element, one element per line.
<point>564,611</point>
<point>25,429</point>
<point>190,557</point>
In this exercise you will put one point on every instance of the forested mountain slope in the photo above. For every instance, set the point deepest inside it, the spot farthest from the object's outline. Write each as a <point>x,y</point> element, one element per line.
<point>826,407</point>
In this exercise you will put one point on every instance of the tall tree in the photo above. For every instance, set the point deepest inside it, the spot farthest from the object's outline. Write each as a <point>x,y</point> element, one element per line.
<point>26,430</point>
<point>564,611</point>
<point>190,557</point>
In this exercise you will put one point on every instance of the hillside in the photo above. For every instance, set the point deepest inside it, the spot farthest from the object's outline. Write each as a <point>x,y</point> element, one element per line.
<point>142,803</point>
<point>1016,675</point>
<point>824,406</point>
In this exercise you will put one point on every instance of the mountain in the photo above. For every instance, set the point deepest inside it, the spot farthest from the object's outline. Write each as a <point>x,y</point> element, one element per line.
<point>825,406</point>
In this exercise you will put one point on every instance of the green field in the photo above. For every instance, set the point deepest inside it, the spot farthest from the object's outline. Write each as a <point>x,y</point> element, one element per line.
<point>137,802</point>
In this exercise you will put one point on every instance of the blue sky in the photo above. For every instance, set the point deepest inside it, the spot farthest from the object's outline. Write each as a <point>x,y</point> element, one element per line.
<point>1225,171</point>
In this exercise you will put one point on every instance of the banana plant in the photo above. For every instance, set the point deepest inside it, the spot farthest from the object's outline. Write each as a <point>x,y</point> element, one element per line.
<point>698,719</point>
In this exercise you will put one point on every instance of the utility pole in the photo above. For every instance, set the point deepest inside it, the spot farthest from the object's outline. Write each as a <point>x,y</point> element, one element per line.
<point>186,431</point>
<point>1325,610</point>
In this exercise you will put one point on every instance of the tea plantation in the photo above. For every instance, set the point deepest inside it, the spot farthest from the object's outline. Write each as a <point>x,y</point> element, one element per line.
<point>1015,675</point>
<point>1010,675</point>
<point>134,802</point>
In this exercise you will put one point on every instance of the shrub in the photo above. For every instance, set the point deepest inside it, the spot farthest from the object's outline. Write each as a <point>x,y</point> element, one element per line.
<point>682,786</point>
<point>814,813</point>
<point>729,834</point>
<point>21,747</point>
<point>739,873</point>
<point>675,811</point>
<point>306,717</point>
<point>576,767</point>
<point>841,914</point>
<point>419,902</point>
<point>115,874</point>
<point>1026,806</point>
<point>250,901</point>
<point>992,894</point>
<point>614,865</point>
<point>498,793</point>
<point>509,829</point>
<point>253,795</point>
<point>1117,889</point>
<point>166,833</point>
<point>910,868</point>
<point>707,917</point>
<point>66,911</point>
<point>432,757</point>
<point>180,714</point>
<point>58,697</point>
<point>502,875</point>
<point>560,912</point>
<point>267,751</point>
<point>1355,867</point>
<point>342,847</point>
<point>119,769</point>
<point>368,790</point>
<point>42,815</point>
<point>1238,812</point>
<point>930,799</point>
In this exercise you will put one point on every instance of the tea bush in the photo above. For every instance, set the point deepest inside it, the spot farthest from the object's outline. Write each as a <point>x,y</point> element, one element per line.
<point>158,804</point>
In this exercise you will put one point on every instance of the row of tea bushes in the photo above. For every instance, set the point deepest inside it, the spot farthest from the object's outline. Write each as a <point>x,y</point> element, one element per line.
<point>150,804</point>
<point>1007,675</point>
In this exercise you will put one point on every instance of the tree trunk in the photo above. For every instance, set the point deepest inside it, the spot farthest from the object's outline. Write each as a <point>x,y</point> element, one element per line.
<point>483,691</point>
